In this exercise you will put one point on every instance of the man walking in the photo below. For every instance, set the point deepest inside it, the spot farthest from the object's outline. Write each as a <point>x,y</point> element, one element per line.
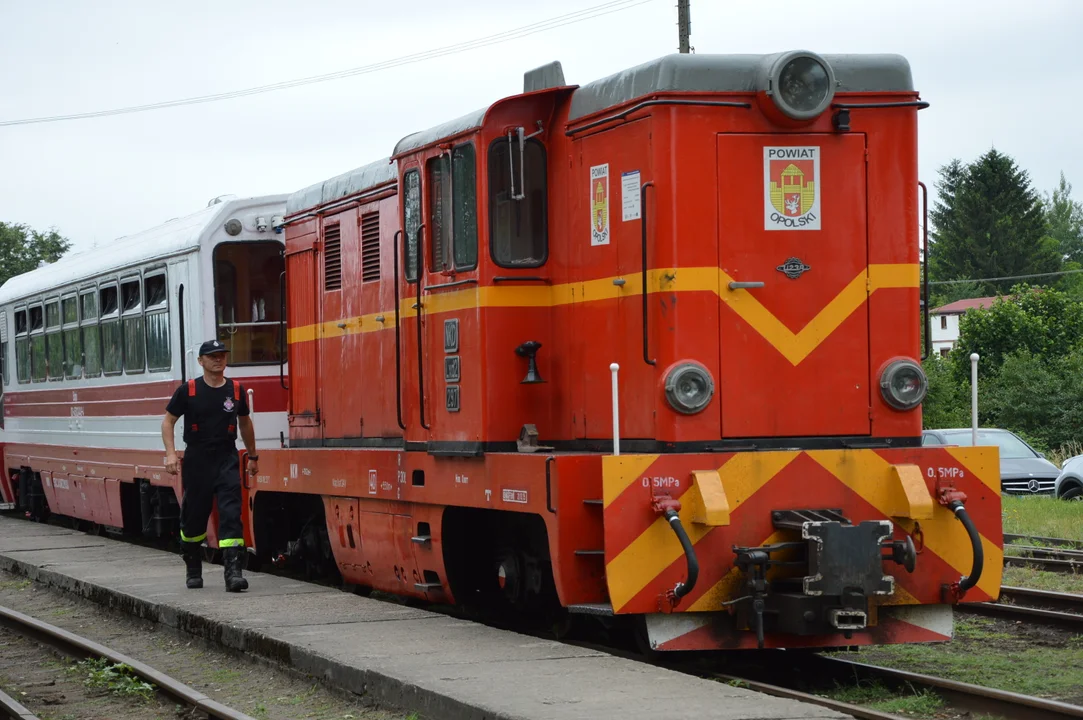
<point>214,407</point>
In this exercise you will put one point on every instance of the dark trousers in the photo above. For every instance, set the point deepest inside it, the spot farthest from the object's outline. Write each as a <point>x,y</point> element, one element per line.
<point>207,473</point>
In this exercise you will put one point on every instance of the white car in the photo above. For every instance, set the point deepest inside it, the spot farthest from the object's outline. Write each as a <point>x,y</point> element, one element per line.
<point>1069,484</point>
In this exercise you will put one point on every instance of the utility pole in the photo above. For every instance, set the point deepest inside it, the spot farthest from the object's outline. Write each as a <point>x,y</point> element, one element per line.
<point>684,23</point>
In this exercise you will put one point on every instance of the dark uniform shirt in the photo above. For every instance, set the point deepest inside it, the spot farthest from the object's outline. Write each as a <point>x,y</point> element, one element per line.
<point>210,418</point>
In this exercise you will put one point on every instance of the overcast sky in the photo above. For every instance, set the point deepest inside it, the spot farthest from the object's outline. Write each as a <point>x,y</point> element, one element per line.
<point>997,73</point>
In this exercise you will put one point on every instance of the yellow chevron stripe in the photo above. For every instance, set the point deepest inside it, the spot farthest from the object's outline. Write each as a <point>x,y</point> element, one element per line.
<point>657,547</point>
<point>866,473</point>
<point>795,347</point>
<point>620,471</point>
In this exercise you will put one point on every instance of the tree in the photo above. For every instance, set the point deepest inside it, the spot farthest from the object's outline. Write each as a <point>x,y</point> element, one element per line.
<point>1065,219</point>
<point>1040,321</point>
<point>989,223</point>
<point>22,249</point>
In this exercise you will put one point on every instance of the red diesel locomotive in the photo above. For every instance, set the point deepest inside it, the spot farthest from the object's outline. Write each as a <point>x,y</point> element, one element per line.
<point>646,349</point>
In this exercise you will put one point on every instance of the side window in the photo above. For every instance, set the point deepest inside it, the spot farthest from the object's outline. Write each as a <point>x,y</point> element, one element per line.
<point>518,209</point>
<point>37,343</point>
<point>131,313</point>
<point>453,210</point>
<point>157,322</point>
<point>411,221</point>
<point>54,344</point>
<point>73,345</point>
<point>109,312</point>
<point>92,339</point>
<point>22,347</point>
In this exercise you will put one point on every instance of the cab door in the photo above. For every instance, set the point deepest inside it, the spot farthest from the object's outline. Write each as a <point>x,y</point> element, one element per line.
<point>609,234</point>
<point>302,279</point>
<point>793,251</point>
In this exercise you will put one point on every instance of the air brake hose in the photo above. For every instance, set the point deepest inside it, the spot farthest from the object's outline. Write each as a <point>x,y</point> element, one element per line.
<point>968,581</point>
<point>685,587</point>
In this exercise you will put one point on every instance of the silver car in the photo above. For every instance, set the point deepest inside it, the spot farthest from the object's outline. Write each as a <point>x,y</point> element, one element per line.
<point>1070,481</point>
<point>1023,470</point>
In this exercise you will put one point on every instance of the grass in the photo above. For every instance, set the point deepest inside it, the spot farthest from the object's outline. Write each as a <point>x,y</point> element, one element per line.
<point>1026,577</point>
<point>993,654</point>
<point>1043,516</point>
<point>116,679</point>
<point>877,697</point>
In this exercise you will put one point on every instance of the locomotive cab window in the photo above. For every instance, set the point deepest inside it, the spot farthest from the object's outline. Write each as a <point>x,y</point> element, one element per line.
<point>411,221</point>
<point>248,300</point>
<point>135,358</point>
<point>453,213</point>
<point>92,339</point>
<point>22,347</point>
<point>517,203</point>
<point>73,346</point>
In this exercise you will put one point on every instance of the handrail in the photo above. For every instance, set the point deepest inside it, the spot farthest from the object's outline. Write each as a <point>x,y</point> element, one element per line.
<point>420,356</point>
<point>398,334</point>
<point>180,315</point>
<point>925,263</point>
<point>643,212</point>
<point>282,345</point>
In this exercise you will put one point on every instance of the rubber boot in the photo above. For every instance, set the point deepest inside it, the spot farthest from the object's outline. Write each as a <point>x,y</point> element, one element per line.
<point>232,561</point>
<point>194,564</point>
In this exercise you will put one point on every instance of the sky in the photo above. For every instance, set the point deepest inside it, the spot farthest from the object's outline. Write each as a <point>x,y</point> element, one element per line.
<point>998,73</point>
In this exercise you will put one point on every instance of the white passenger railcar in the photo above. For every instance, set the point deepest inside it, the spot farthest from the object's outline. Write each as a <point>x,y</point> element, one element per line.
<point>93,346</point>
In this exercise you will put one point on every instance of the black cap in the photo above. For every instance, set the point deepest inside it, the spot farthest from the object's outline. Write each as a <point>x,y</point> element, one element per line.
<point>212,346</point>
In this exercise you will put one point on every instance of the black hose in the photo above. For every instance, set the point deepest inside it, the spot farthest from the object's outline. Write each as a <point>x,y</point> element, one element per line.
<point>685,587</point>
<point>968,581</point>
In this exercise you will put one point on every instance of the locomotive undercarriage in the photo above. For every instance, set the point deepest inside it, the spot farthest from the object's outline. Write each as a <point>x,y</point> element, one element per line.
<point>824,581</point>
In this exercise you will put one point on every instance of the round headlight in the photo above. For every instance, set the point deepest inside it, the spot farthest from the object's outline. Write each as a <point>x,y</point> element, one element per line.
<point>903,385</point>
<point>689,388</point>
<point>803,86</point>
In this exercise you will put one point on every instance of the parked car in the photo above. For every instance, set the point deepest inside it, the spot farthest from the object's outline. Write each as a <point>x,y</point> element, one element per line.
<point>1023,470</point>
<point>1069,484</point>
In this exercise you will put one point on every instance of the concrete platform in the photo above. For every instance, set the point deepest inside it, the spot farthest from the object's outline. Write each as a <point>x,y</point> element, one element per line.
<point>394,656</point>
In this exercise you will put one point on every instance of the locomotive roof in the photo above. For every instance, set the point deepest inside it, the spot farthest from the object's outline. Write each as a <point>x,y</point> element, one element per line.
<point>444,130</point>
<point>350,182</point>
<point>732,73</point>
<point>170,238</point>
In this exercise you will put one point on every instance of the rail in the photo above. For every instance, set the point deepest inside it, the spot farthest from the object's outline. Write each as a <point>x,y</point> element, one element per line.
<point>77,646</point>
<point>832,672</point>
<point>1063,610</point>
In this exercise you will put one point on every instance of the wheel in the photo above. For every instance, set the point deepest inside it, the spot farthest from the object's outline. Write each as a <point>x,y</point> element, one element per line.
<point>1073,493</point>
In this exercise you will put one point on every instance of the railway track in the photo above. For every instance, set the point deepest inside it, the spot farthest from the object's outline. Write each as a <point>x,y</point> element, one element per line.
<point>1046,541</point>
<point>1053,559</point>
<point>79,647</point>
<point>1064,610</point>
<point>827,672</point>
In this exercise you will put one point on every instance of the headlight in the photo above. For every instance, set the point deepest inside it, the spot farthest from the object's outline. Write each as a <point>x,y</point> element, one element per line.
<point>802,85</point>
<point>903,385</point>
<point>689,388</point>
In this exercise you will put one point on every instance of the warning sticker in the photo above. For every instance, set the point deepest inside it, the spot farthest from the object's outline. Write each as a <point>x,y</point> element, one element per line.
<point>629,197</point>
<point>791,188</point>
<point>599,204</point>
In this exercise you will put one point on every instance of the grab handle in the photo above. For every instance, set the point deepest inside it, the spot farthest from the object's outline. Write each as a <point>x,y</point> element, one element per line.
<point>643,205</point>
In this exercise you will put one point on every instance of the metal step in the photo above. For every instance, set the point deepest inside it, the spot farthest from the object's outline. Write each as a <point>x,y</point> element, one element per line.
<point>7,506</point>
<point>590,552</point>
<point>425,587</point>
<point>421,539</point>
<point>592,502</point>
<point>592,609</point>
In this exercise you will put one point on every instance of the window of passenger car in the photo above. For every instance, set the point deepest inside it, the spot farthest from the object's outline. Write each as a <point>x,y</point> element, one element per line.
<point>91,335</point>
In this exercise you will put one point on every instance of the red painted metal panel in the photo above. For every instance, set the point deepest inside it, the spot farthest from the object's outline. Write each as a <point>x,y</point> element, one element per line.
<point>302,279</point>
<point>763,392</point>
